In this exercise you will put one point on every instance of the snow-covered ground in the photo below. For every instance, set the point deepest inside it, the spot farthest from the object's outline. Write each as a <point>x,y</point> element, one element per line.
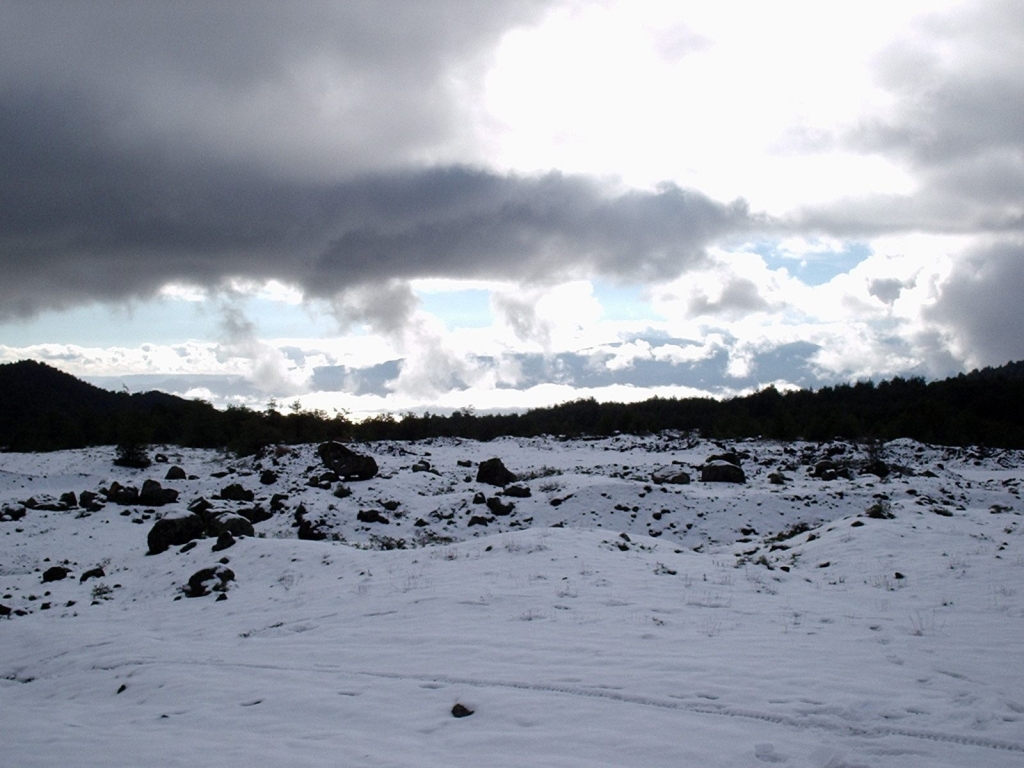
<point>605,620</point>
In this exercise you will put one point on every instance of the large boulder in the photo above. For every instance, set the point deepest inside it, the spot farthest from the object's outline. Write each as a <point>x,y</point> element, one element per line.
<point>730,456</point>
<point>10,512</point>
<point>255,514</point>
<point>55,573</point>
<point>45,503</point>
<point>229,522</point>
<point>498,508</point>
<point>346,463</point>
<point>121,494</point>
<point>310,529</point>
<point>518,491</point>
<point>155,495</point>
<point>236,492</point>
<point>720,471</point>
<point>371,516</point>
<point>173,529</point>
<point>204,581</point>
<point>493,472</point>
<point>90,501</point>
<point>876,467</point>
<point>670,476</point>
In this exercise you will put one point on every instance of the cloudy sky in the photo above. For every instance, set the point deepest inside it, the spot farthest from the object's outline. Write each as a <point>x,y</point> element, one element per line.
<point>381,205</point>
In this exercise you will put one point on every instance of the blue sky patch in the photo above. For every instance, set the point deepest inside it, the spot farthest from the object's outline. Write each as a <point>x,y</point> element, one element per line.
<point>813,268</point>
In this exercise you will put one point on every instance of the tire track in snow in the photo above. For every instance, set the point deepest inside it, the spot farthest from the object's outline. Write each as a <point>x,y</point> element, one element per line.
<point>748,714</point>
<point>608,695</point>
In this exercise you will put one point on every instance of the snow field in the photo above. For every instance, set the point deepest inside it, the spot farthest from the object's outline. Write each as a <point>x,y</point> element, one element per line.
<point>572,645</point>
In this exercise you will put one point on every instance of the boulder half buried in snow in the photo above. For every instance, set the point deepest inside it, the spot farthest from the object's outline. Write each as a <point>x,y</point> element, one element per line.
<point>346,463</point>
<point>670,476</point>
<point>493,472</point>
<point>719,471</point>
<point>175,528</point>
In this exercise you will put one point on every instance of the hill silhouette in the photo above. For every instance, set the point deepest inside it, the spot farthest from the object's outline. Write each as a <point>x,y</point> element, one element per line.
<point>42,408</point>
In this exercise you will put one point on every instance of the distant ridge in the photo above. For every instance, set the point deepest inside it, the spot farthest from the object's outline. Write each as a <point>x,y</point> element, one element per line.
<point>42,408</point>
<point>45,409</point>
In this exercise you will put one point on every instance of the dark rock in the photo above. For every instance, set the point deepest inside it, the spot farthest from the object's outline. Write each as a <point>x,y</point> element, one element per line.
<point>224,541</point>
<point>309,530</point>
<point>123,495</point>
<point>390,505</point>
<point>175,473</point>
<point>422,466</point>
<point>55,573</point>
<point>90,501</point>
<point>777,478</point>
<point>69,499</point>
<point>518,491</point>
<point>200,506</point>
<point>230,522</point>
<point>208,580</point>
<point>5,611</point>
<point>498,508</point>
<point>160,458</point>
<point>730,457</point>
<point>277,501</point>
<point>256,514</point>
<point>92,573</point>
<point>372,516</point>
<point>479,498</point>
<point>478,520</point>
<point>346,463</point>
<point>825,470</point>
<point>876,467</point>
<point>155,495</point>
<point>45,504</point>
<point>236,492</point>
<point>174,529</point>
<point>11,512</point>
<point>460,710</point>
<point>268,477</point>
<point>720,471</point>
<point>187,547</point>
<point>464,463</point>
<point>493,472</point>
<point>670,476</point>
<point>421,523</point>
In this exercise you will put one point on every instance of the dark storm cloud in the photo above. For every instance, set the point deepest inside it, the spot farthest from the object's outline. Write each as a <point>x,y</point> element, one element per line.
<point>979,305</point>
<point>144,143</point>
<point>308,88</point>
<point>464,223</point>
<point>83,220</point>
<point>955,125</point>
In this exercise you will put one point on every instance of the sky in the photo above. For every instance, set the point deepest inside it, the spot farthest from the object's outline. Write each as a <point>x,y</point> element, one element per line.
<point>379,206</point>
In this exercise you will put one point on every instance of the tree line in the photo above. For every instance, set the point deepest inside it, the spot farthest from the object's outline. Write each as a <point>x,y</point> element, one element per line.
<point>43,409</point>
